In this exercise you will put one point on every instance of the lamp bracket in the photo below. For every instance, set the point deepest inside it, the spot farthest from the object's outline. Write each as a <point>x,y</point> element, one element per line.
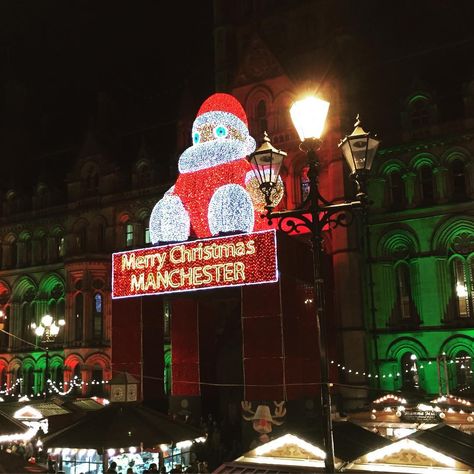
<point>315,219</point>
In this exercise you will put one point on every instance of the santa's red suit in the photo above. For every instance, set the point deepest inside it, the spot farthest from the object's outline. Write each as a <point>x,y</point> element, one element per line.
<point>210,195</point>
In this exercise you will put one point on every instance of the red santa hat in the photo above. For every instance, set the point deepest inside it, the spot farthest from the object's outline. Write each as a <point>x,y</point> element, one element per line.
<point>226,103</point>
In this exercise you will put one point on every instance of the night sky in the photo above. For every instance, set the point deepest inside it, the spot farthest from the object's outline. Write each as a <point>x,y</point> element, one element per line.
<point>67,65</point>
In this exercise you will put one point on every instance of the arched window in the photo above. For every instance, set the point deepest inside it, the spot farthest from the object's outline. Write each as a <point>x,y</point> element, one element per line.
<point>78,317</point>
<point>128,234</point>
<point>27,318</point>
<point>146,237</point>
<point>425,184</point>
<point>458,180</point>
<point>28,381</point>
<point>419,113</point>
<point>43,249</point>
<point>81,239</point>
<point>261,118</point>
<point>3,378</point>
<point>97,317</point>
<point>409,371</point>
<point>60,246</point>
<point>96,387</point>
<point>57,376</point>
<point>396,190</point>
<point>166,319</point>
<point>462,286</point>
<point>404,297</point>
<point>4,338</point>
<point>463,371</point>
<point>77,379</point>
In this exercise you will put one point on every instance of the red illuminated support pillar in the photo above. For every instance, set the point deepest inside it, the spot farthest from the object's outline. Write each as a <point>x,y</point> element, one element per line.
<point>262,338</point>
<point>126,338</point>
<point>185,388</point>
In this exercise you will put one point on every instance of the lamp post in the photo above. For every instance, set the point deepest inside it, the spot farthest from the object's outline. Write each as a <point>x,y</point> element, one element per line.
<point>47,330</point>
<point>359,149</point>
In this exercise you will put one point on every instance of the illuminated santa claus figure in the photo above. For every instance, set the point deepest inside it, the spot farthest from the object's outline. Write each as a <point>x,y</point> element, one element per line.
<point>210,195</point>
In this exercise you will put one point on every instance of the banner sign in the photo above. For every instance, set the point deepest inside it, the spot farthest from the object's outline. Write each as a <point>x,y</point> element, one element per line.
<point>244,259</point>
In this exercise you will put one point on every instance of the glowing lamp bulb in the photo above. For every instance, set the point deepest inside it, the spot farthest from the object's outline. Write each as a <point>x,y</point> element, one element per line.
<point>47,320</point>
<point>309,116</point>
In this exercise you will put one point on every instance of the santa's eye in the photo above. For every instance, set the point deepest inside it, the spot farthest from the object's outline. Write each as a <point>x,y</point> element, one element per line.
<point>196,137</point>
<point>220,132</point>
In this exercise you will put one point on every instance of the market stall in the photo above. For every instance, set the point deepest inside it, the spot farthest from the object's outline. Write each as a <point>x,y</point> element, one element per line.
<point>130,434</point>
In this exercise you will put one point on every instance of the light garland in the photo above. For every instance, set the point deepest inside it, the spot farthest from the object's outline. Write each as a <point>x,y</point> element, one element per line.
<point>390,398</point>
<point>451,398</point>
<point>210,194</point>
<point>369,375</point>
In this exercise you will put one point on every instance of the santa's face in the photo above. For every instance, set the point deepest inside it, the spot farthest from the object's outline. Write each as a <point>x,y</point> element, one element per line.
<point>218,137</point>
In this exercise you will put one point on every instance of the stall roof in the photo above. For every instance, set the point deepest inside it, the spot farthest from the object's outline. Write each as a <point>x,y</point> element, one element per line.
<point>10,426</point>
<point>449,441</point>
<point>121,425</point>
<point>350,440</point>
<point>299,452</point>
<point>45,408</point>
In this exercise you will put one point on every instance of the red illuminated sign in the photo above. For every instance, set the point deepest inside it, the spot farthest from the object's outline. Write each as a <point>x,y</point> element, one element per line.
<point>244,259</point>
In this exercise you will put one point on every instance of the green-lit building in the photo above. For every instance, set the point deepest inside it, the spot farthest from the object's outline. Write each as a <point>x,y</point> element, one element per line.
<point>421,247</point>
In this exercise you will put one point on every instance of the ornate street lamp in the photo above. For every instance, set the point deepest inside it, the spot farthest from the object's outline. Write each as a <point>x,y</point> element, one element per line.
<point>309,116</point>
<point>47,330</point>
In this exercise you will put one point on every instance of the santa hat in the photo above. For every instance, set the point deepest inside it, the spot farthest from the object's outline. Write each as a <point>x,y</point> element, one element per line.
<point>223,108</point>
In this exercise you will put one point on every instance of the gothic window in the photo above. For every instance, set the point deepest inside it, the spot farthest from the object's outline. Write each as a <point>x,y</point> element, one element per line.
<point>78,317</point>
<point>27,319</point>
<point>409,371</point>
<point>304,183</point>
<point>97,316</point>
<point>92,180</point>
<point>166,319</point>
<point>404,296</point>
<point>458,180</point>
<point>60,245</point>
<point>57,376</point>
<point>6,327</point>
<point>77,379</point>
<point>96,386</point>
<point>146,237</point>
<point>3,378</point>
<point>28,381</point>
<point>261,118</point>
<point>43,249</point>
<point>463,368</point>
<point>282,119</point>
<point>27,251</point>
<point>128,234</point>
<point>425,184</point>
<point>462,286</point>
<point>52,308</point>
<point>396,190</point>
<point>419,113</point>
<point>81,239</point>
